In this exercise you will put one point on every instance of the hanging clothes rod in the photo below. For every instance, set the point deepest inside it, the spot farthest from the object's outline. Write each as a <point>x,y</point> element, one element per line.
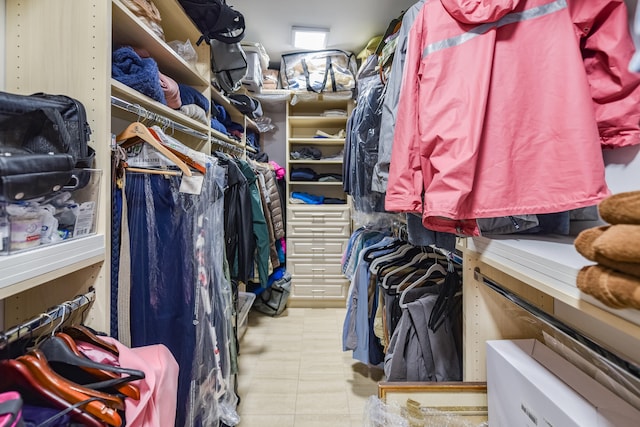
<point>560,326</point>
<point>62,311</point>
<point>225,144</point>
<point>158,118</point>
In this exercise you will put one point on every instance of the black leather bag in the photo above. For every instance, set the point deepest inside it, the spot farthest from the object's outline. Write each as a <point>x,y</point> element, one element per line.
<point>28,176</point>
<point>43,139</point>
<point>43,124</point>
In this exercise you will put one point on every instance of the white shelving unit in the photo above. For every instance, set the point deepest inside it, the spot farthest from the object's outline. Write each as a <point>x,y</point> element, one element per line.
<point>317,234</point>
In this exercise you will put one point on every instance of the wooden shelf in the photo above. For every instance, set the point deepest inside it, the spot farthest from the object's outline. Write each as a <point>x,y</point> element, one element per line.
<point>317,141</point>
<point>314,183</point>
<point>129,30</point>
<point>549,264</point>
<point>32,268</point>
<point>125,93</point>
<point>308,121</point>
<point>235,114</point>
<point>315,162</point>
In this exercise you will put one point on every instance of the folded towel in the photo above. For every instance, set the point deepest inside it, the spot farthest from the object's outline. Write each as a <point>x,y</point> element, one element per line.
<point>138,73</point>
<point>621,208</point>
<point>614,289</point>
<point>195,112</point>
<point>189,95</point>
<point>584,244</point>
<point>171,91</point>
<point>620,242</point>
<point>222,116</point>
<point>215,124</point>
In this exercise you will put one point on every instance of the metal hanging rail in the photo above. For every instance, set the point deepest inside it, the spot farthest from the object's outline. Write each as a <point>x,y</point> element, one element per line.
<point>62,311</point>
<point>227,145</point>
<point>158,118</point>
<point>551,321</point>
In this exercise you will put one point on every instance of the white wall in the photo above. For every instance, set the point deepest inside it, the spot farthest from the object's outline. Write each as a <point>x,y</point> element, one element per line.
<point>275,141</point>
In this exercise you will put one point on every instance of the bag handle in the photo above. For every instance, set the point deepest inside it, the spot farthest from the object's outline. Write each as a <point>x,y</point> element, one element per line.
<point>329,69</point>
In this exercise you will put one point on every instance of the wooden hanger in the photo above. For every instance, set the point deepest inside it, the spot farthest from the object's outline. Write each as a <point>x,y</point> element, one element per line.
<point>16,376</point>
<point>84,334</point>
<point>185,158</point>
<point>121,386</point>
<point>72,393</point>
<point>138,130</point>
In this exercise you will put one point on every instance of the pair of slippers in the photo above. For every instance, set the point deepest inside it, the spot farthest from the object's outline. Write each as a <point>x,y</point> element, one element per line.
<point>615,281</point>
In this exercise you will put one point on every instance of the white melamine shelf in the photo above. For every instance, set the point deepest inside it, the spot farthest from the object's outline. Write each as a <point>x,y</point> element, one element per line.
<point>315,162</point>
<point>31,268</point>
<point>307,121</point>
<point>314,183</point>
<point>551,265</point>
<point>132,96</point>
<point>128,30</point>
<point>317,141</point>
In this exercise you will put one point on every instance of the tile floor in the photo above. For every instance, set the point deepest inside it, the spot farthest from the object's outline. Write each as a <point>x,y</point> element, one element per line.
<point>293,372</point>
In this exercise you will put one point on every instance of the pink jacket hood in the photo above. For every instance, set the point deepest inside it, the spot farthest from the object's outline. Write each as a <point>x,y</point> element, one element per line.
<point>479,11</point>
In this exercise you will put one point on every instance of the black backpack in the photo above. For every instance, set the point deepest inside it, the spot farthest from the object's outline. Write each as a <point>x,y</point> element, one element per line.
<point>215,20</point>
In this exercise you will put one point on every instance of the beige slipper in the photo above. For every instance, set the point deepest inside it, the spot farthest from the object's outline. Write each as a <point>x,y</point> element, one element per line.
<point>621,208</point>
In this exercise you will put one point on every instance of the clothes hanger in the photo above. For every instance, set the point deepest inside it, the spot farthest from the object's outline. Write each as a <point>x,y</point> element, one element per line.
<point>369,253</point>
<point>84,334</point>
<point>35,360</point>
<point>16,376</point>
<point>448,299</point>
<point>70,392</point>
<point>138,130</point>
<point>399,253</point>
<point>65,361</point>
<point>435,268</point>
<point>185,158</point>
<point>126,389</point>
<point>417,259</point>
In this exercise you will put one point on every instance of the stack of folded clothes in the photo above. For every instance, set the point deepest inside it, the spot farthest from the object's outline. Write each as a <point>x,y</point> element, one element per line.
<point>306,153</point>
<point>615,279</point>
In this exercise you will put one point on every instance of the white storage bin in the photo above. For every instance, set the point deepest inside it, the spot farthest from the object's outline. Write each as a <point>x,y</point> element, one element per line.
<point>245,301</point>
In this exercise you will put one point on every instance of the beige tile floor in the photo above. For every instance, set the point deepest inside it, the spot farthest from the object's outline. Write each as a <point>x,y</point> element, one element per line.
<point>293,372</point>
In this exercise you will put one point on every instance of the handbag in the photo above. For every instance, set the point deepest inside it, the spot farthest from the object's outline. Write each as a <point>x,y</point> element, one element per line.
<point>27,176</point>
<point>331,70</point>
<point>43,124</point>
<point>273,300</point>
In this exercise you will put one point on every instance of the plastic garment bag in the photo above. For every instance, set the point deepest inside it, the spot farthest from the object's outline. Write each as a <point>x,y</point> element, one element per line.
<point>363,133</point>
<point>182,298</point>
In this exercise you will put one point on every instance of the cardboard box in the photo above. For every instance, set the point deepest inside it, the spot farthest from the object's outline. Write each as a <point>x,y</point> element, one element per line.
<point>530,385</point>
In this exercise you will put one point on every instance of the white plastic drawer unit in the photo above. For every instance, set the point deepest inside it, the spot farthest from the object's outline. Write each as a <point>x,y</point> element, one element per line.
<point>325,288</point>
<point>318,269</point>
<point>330,229</point>
<point>318,215</point>
<point>315,247</point>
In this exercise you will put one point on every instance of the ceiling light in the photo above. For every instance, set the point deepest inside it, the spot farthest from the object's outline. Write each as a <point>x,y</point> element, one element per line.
<point>309,37</point>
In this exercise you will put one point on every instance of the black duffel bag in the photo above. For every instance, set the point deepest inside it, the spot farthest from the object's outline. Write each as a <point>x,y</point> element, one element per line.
<point>28,176</point>
<point>43,145</point>
<point>44,124</point>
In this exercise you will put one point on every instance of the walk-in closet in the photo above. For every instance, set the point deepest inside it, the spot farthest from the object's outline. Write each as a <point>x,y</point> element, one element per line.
<point>219,213</point>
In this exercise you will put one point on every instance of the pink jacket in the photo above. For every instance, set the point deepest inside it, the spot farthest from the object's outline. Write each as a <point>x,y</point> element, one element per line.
<point>501,113</point>
<point>158,389</point>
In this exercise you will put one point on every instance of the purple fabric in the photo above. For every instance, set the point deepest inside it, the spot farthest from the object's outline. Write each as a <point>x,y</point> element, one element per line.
<point>36,415</point>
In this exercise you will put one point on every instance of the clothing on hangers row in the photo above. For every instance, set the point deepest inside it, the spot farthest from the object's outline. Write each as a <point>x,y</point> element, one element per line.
<point>393,284</point>
<point>64,373</point>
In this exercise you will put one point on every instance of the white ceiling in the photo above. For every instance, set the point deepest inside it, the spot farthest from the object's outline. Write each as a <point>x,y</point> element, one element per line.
<point>352,23</point>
